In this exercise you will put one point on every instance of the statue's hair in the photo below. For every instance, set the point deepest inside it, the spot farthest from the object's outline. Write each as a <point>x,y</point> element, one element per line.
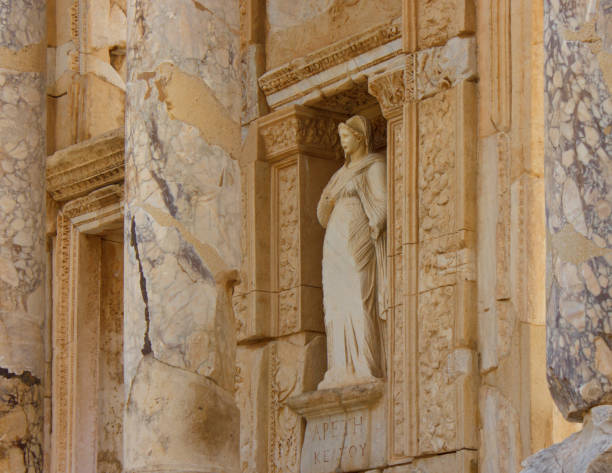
<point>361,128</point>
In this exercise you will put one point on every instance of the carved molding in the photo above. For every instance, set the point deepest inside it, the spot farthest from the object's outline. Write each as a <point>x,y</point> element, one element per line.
<point>299,129</point>
<point>75,35</point>
<point>79,169</point>
<point>325,58</point>
<point>64,354</point>
<point>100,210</point>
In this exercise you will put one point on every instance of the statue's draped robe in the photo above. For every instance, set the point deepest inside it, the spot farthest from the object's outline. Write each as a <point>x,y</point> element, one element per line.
<point>354,271</point>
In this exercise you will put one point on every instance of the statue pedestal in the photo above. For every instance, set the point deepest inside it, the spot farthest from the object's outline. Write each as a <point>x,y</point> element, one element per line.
<point>346,428</point>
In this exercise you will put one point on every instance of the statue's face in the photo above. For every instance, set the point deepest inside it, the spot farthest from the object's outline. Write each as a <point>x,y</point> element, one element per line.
<point>349,142</point>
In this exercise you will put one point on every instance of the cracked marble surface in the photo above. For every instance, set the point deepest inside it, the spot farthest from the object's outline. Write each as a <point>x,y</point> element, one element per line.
<point>588,451</point>
<point>21,221</point>
<point>199,36</point>
<point>21,424</point>
<point>22,22</point>
<point>578,206</point>
<point>182,198</point>
<point>22,145</point>
<point>182,235</point>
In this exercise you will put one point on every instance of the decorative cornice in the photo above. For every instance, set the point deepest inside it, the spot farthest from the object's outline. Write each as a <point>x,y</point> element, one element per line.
<point>327,57</point>
<point>79,169</point>
<point>299,129</point>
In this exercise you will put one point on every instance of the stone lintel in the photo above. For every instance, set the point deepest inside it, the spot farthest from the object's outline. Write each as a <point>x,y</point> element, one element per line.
<point>99,211</point>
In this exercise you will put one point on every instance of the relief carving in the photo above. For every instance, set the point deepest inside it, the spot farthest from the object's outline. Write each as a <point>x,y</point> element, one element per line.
<point>288,306</point>
<point>437,186</point>
<point>399,377</point>
<point>396,186</point>
<point>503,227</point>
<point>435,21</point>
<point>353,209</point>
<point>288,226</point>
<point>437,394</point>
<point>300,129</point>
<point>444,67</point>
<point>439,20</point>
<point>283,423</point>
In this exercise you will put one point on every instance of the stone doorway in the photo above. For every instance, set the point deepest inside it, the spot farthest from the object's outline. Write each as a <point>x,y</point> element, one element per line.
<point>85,222</point>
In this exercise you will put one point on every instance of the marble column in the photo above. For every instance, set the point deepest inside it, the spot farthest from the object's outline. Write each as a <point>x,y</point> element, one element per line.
<point>578,174</point>
<point>22,269</point>
<point>182,236</point>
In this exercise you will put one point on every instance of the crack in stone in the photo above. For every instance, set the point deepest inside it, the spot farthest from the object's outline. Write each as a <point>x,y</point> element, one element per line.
<point>26,377</point>
<point>339,467</point>
<point>146,348</point>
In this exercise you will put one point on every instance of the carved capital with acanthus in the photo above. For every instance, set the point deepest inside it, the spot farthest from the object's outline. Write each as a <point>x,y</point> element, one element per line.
<point>395,86</point>
<point>300,129</point>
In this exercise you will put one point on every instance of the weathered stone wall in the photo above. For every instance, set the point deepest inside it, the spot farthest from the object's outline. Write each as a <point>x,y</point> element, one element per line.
<point>86,69</point>
<point>515,409</point>
<point>295,28</point>
<point>22,249</point>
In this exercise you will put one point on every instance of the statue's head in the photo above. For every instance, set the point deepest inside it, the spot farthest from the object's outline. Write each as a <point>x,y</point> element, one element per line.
<point>355,133</point>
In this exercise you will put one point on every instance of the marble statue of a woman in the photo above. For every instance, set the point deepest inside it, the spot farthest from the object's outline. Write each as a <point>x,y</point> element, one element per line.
<point>353,209</point>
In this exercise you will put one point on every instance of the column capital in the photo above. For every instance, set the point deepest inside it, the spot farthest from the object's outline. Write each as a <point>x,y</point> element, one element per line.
<point>300,129</point>
<point>394,86</point>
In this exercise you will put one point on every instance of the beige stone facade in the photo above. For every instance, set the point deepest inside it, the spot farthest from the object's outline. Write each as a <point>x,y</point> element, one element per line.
<point>163,309</point>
